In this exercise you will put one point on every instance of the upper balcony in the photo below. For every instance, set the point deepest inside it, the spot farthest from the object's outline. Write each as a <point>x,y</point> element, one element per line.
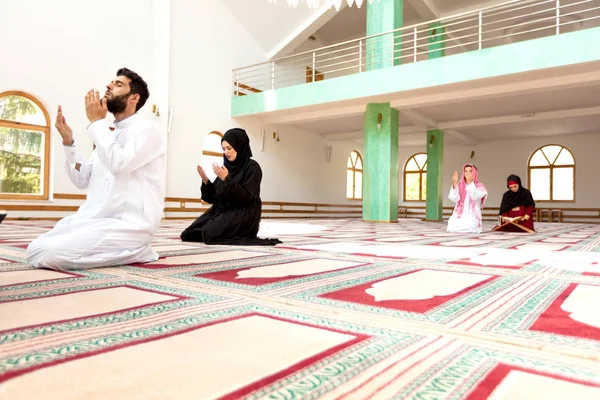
<point>502,37</point>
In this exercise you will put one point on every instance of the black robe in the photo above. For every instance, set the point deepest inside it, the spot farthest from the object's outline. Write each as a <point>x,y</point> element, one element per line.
<point>521,197</point>
<point>235,214</point>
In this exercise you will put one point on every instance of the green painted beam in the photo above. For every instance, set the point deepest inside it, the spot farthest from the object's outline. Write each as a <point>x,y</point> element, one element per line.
<point>380,146</point>
<point>434,204</point>
<point>384,16</point>
<point>435,176</point>
<point>437,41</point>
<point>547,52</point>
<point>380,170</point>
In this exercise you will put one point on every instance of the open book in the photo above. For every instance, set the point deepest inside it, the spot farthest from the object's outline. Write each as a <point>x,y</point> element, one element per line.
<point>510,219</point>
<point>510,223</point>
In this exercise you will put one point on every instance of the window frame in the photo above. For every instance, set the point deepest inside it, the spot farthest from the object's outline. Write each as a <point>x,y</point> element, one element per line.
<point>45,130</point>
<point>210,152</point>
<point>354,171</point>
<point>420,172</point>
<point>551,167</point>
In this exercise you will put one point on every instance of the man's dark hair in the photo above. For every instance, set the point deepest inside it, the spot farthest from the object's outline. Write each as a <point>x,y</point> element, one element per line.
<point>137,86</point>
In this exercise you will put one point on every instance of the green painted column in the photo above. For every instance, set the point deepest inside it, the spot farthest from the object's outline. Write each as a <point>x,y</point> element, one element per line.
<point>380,174</point>
<point>435,139</point>
<point>435,176</point>
<point>380,147</point>
<point>437,45</point>
<point>383,51</point>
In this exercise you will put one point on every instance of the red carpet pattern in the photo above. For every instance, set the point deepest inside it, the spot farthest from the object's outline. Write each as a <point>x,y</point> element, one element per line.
<point>343,309</point>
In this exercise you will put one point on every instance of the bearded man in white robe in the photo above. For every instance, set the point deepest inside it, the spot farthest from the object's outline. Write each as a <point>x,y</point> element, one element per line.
<point>125,179</point>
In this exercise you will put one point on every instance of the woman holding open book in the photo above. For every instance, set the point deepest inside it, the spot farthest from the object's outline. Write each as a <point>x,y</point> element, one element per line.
<point>517,203</point>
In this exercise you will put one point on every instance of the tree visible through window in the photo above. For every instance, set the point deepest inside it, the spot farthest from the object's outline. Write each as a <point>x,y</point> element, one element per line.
<point>552,174</point>
<point>24,147</point>
<point>415,178</point>
<point>354,172</point>
<point>212,152</point>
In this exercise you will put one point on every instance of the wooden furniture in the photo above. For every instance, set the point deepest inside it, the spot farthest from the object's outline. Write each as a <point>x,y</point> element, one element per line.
<point>558,214</point>
<point>550,215</point>
<point>319,76</point>
<point>511,224</point>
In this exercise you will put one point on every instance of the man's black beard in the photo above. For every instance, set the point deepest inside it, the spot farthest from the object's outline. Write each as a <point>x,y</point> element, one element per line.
<point>117,104</point>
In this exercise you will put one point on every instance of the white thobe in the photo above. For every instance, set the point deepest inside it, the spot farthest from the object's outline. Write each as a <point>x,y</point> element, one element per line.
<point>115,225</point>
<point>470,220</point>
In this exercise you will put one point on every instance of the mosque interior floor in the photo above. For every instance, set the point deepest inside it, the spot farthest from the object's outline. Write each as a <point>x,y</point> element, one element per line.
<point>342,309</point>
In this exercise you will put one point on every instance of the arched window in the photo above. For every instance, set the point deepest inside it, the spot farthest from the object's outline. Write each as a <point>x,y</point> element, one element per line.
<point>552,174</point>
<point>212,152</point>
<point>24,147</point>
<point>354,172</point>
<point>415,178</point>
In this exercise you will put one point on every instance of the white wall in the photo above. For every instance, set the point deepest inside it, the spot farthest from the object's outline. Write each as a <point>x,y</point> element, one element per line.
<point>269,24</point>
<point>57,59</point>
<point>498,159</point>
<point>58,50</point>
<point>295,167</point>
<point>495,160</point>
<point>332,62</point>
<point>207,43</point>
<point>337,61</point>
<point>291,70</point>
<point>185,50</point>
<point>333,188</point>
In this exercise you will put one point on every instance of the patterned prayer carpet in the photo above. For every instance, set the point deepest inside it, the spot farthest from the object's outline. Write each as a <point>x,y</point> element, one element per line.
<point>343,309</point>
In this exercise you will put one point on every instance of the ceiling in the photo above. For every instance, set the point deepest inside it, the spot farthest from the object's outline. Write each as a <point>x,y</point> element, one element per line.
<point>336,125</point>
<point>553,127</point>
<point>350,23</point>
<point>571,98</point>
<point>559,111</point>
<point>452,7</point>
<point>279,29</point>
<point>282,22</point>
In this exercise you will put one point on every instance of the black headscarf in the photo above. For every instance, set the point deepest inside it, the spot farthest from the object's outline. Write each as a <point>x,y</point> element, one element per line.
<point>239,140</point>
<point>521,197</point>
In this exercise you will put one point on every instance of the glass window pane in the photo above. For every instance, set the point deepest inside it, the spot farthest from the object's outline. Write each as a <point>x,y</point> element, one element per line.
<point>21,166</point>
<point>421,159</point>
<point>412,165</point>
<point>21,109</point>
<point>562,184</point>
<point>424,186</point>
<point>540,183</point>
<point>353,157</point>
<point>411,186</point>
<point>551,152</point>
<point>349,163</point>
<point>565,158</point>
<point>349,184</point>
<point>359,163</point>
<point>425,166</point>
<point>538,159</point>
<point>358,185</point>
<point>212,143</point>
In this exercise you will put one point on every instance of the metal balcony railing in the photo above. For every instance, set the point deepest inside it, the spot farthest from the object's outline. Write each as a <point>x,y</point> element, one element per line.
<point>488,27</point>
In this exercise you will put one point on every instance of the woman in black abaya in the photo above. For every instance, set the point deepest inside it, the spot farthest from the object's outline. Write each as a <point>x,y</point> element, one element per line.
<point>235,214</point>
<point>517,201</point>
